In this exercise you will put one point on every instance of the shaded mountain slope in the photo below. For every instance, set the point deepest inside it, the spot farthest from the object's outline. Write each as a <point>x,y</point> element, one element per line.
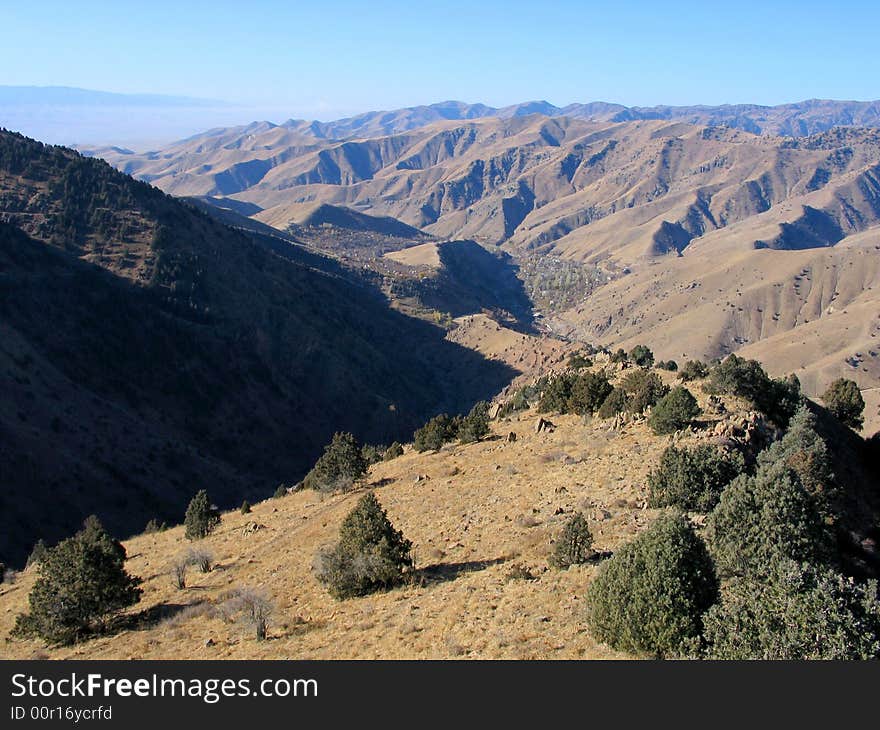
<point>149,350</point>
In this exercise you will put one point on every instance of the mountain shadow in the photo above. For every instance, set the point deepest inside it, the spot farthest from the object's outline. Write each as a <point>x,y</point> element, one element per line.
<point>148,351</point>
<point>472,279</point>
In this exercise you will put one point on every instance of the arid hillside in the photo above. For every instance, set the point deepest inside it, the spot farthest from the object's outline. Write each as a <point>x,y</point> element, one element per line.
<point>546,182</point>
<point>483,519</point>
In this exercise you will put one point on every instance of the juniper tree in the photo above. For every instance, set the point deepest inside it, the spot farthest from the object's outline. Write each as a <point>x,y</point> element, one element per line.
<point>845,401</point>
<point>674,411</point>
<point>575,543</point>
<point>650,596</point>
<point>201,518</point>
<point>339,467</point>
<point>371,554</point>
<point>82,583</point>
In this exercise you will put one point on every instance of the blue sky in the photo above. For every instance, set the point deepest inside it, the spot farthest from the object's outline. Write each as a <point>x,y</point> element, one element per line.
<point>327,59</point>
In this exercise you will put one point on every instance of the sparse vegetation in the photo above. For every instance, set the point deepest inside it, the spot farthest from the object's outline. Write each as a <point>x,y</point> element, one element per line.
<point>254,608</point>
<point>339,467</point>
<point>845,402</point>
<point>650,597</point>
<point>201,558</point>
<point>475,425</point>
<point>154,525</point>
<point>82,583</point>
<point>372,453</point>
<point>37,553</point>
<point>643,389</point>
<point>642,356</point>
<point>245,507</point>
<point>178,570</point>
<point>371,554</point>
<point>523,397</point>
<point>693,370</point>
<point>578,361</point>
<point>614,404</point>
<point>674,411</point>
<point>280,492</point>
<point>393,451</point>
<point>619,356</point>
<point>778,399</point>
<point>574,545</point>
<point>693,479</point>
<point>588,393</point>
<point>202,517</point>
<point>439,430</point>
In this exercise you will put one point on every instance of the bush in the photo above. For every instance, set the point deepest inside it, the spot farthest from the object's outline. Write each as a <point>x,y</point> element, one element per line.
<point>615,403</point>
<point>475,424</point>
<point>693,479</point>
<point>588,393</point>
<point>644,389</point>
<point>619,356</point>
<point>778,399</point>
<point>804,451</point>
<point>339,467</point>
<point>154,526</point>
<point>845,402</point>
<point>763,518</point>
<point>642,356</point>
<point>674,411</point>
<point>245,507</point>
<point>393,451</point>
<point>557,393</point>
<point>82,583</point>
<point>669,365</point>
<point>202,559</point>
<point>436,432</point>
<point>575,544</point>
<point>693,370</point>
<point>280,491</point>
<point>371,555</point>
<point>37,553</point>
<point>796,611</point>
<point>577,361</point>
<point>254,608</point>
<point>179,567</point>
<point>201,517</point>
<point>523,397</point>
<point>649,598</point>
<point>372,454</point>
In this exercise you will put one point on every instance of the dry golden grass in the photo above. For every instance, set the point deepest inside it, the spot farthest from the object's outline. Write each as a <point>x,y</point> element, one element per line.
<point>481,517</point>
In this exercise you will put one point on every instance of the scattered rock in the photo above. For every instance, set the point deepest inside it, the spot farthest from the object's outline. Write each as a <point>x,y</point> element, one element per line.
<point>543,425</point>
<point>511,437</point>
<point>251,527</point>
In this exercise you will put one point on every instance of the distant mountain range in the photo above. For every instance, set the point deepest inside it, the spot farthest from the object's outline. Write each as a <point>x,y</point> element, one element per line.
<point>796,120</point>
